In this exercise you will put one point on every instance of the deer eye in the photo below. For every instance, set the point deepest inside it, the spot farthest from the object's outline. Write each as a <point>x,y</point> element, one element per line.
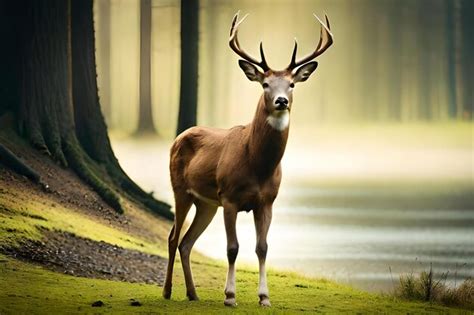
<point>292,85</point>
<point>265,85</point>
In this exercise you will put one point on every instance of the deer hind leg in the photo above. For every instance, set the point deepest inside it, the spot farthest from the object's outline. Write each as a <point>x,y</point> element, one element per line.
<point>262,218</point>
<point>230,217</point>
<point>204,215</point>
<point>183,202</point>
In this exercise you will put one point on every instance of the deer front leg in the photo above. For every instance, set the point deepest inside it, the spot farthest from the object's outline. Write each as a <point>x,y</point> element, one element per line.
<point>262,218</point>
<point>230,216</point>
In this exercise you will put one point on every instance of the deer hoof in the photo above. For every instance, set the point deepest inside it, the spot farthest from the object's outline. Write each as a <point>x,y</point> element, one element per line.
<point>192,296</point>
<point>167,293</point>
<point>230,302</point>
<point>265,301</point>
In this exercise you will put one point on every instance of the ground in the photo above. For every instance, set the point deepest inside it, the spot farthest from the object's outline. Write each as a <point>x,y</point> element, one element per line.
<point>62,250</point>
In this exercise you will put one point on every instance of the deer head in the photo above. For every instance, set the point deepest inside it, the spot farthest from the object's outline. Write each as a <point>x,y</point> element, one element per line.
<point>278,85</point>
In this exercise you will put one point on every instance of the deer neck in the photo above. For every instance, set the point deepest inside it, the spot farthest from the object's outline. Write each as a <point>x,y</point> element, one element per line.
<point>267,139</point>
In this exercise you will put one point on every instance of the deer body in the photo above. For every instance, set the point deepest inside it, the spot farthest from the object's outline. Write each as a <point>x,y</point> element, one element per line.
<point>253,153</point>
<point>238,169</point>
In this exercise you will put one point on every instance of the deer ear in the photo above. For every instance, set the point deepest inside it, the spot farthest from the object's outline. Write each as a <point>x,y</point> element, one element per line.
<point>251,71</point>
<point>305,71</point>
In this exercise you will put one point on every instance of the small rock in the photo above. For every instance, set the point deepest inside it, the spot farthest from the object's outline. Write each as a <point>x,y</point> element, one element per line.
<point>98,304</point>
<point>136,303</point>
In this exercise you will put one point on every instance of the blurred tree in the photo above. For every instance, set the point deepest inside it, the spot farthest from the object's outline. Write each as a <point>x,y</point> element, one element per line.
<point>103,54</point>
<point>369,43</point>
<point>145,118</point>
<point>58,108</point>
<point>459,23</point>
<point>424,60</point>
<point>458,47</point>
<point>450,43</point>
<point>467,20</point>
<point>394,36</point>
<point>189,65</point>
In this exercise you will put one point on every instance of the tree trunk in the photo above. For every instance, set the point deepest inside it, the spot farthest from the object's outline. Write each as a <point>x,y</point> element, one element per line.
<point>90,125</point>
<point>104,57</point>
<point>44,115</point>
<point>467,16</point>
<point>450,42</point>
<point>189,65</point>
<point>58,108</point>
<point>394,34</point>
<point>424,66</point>
<point>145,120</point>
<point>9,159</point>
<point>458,66</point>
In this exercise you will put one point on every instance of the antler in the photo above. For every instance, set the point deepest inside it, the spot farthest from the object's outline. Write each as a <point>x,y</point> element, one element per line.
<point>234,44</point>
<point>325,40</point>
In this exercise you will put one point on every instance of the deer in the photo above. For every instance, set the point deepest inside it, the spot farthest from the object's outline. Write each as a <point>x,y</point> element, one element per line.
<point>238,168</point>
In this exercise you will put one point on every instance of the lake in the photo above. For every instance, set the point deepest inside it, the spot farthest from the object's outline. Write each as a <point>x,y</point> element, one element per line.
<point>361,213</point>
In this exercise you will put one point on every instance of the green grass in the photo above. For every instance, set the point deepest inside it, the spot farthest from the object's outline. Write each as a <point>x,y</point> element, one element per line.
<point>26,288</point>
<point>32,289</point>
<point>23,216</point>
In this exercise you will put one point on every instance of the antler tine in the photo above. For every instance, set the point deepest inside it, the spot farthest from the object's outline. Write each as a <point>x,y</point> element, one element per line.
<point>325,41</point>
<point>264,64</point>
<point>327,22</point>
<point>235,46</point>
<point>293,56</point>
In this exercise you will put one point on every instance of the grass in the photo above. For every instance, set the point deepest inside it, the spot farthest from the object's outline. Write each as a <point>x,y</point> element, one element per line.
<point>33,289</point>
<point>24,218</point>
<point>426,288</point>
<point>26,288</point>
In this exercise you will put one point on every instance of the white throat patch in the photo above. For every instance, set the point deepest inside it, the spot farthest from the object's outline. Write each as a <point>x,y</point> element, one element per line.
<point>279,120</point>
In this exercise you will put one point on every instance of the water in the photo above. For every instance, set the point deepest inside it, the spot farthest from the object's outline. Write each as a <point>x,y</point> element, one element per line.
<point>365,228</point>
<point>366,247</point>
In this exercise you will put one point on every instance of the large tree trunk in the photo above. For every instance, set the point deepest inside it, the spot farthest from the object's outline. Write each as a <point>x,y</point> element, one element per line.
<point>189,65</point>
<point>145,119</point>
<point>46,113</point>
<point>90,125</point>
<point>59,110</point>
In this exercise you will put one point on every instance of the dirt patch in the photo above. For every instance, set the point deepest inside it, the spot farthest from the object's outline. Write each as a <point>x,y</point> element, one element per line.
<point>66,189</point>
<point>78,256</point>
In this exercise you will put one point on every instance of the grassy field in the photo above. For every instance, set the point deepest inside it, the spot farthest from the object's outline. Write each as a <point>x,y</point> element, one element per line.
<point>32,289</point>
<point>28,288</point>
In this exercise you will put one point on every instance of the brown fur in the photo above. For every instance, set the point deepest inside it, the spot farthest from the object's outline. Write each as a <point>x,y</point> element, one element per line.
<point>238,168</point>
<point>241,164</point>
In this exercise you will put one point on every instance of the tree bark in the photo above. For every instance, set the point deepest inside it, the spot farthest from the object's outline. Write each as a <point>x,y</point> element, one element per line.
<point>46,114</point>
<point>90,124</point>
<point>8,158</point>
<point>58,108</point>
<point>145,120</point>
<point>189,65</point>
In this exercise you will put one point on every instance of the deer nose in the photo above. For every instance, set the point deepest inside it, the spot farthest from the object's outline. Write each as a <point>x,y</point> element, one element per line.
<point>281,102</point>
